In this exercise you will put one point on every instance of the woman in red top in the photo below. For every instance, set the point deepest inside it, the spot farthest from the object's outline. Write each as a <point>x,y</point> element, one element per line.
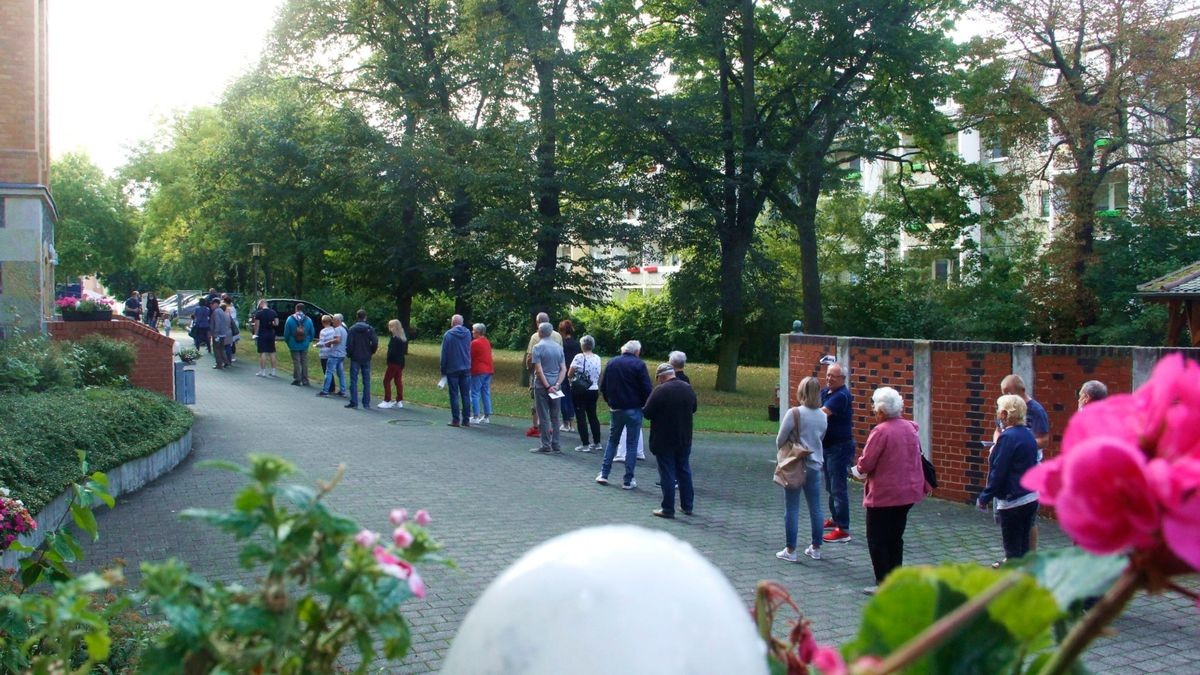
<point>890,465</point>
<point>481,375</point>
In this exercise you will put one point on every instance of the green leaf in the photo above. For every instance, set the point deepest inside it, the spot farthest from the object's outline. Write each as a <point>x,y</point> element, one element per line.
<point>83,464</point>
<point>1072,574</point>
<point>301,496</point>
<point>913,598</point>
<point>248,620</point>
<point>223,465</point>
<point>98,643</point>
<point>100,478</point>
<point>86,520</point>
<point>31,572</point>
<point>63,548</point>
<point>249,498</point>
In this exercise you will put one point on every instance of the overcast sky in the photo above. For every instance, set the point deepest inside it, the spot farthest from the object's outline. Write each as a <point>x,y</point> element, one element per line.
<point>117,67</point>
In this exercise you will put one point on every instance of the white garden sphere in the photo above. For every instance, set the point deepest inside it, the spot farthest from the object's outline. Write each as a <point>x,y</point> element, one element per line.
<point>613,599</point>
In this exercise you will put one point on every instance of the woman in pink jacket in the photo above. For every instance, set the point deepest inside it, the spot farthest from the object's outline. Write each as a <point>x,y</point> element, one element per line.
<point>890,466</point>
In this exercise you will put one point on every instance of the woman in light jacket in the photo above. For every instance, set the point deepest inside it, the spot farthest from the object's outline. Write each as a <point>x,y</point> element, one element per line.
<point>890,466</point>
<point>1016,452</point>
<point>812,429</point>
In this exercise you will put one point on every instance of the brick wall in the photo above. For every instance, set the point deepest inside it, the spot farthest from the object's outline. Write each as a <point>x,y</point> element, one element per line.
<point>24,140</point>
<point>154,369</point>
<point>953,391</point>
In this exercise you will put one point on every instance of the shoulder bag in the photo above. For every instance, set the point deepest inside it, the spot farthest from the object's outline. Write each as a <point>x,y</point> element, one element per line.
<point>791,462</point>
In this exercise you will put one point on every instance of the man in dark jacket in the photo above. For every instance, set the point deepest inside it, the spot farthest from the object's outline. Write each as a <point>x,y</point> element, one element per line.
<point>625,386</point>
<point>201,321</point>
<point>670,409</point>
<point>361,343</point>
<point>456,367</point>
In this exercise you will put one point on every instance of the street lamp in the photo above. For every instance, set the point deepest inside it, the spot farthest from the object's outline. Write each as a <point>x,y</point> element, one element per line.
<point>257,251</point>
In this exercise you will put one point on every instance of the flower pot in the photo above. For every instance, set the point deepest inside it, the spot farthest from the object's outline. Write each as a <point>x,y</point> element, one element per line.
<point>95,315</point>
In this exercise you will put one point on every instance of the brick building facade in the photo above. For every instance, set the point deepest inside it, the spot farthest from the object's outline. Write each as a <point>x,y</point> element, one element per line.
<point>950,388</point>
<point>27,211</point>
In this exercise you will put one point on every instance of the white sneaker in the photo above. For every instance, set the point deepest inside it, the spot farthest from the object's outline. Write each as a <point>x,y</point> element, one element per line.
<point>790,557</point>
<point>630,485</point>
<point>485,420</point>
<point>273,373</point>
<point>641,455</point>
<point>596,447</point>
<point>583,448</point>
<point>619,459</point>
<point>384,405</point>
<point>260,374</point>
<point>563,427</point>
<point>474,420</point>
<point>814,553</point>
<point>601,479</point>
<point>399,404</point>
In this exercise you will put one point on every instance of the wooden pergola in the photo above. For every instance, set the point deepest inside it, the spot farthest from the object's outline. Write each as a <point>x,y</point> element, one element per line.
<point>1180,292</point>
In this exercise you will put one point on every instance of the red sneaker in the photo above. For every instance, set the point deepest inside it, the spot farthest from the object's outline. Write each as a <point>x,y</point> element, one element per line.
<point>829,524</point>
<point>533,432</point>
<point>837,536</point>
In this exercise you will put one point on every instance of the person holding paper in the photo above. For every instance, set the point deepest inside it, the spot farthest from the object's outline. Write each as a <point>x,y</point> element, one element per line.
<point>549,370</point>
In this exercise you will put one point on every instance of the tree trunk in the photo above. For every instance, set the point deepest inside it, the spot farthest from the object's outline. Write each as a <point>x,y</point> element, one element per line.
<point>803,216</point>
<point>299,274</point>
<point>404,298</point>
<point>733,310</point>
<point>549,233</point>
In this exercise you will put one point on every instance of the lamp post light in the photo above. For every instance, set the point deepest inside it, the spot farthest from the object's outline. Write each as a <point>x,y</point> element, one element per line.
<point>257,251</point>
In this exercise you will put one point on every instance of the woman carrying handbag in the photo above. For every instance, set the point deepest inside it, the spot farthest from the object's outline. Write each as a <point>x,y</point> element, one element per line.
<point>799,445</point>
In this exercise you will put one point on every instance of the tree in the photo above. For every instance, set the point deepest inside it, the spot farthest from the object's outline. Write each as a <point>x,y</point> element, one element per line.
<point>96,229</point>
<point>761,93</point>
<point>1115,83</point>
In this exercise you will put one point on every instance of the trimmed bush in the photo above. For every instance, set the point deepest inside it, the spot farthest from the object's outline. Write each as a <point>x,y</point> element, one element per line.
<point>40,433</point>
<point>34,362</point>
<point>104,361</point>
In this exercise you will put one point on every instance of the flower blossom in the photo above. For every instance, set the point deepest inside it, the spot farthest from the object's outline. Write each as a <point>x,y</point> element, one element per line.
<point>366,538</point>
<point>402,537</point>
<point>1128,476</point>
<point>400,569</point>
<point>398,516</point>
<point>829,661</point>
<point>422,518</point>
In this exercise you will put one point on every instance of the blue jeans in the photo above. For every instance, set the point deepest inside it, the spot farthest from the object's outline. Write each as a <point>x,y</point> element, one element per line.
<point>675,466</point>
<point>481,395</point>
<point>567,403</point>
<point>791,509</point>
<point>363,367</point>
<point>334,364</point>
<point>631,421</point>
<point>460,390</point>
<point>837,476</point>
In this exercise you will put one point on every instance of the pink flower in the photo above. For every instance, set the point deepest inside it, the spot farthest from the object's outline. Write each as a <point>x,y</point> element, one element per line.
<point>398,516</point>
<point>366,538</point>
<point>422,518</point>
<point>402,537</point>
<point>829,661</point>
<point>1106,502</point>
<point>391,565</point>
<point>416,584</point>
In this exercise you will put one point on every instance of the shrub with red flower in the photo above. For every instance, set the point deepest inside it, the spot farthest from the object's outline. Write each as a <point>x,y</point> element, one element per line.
<point>1128,477</point>
<point>14,519</point>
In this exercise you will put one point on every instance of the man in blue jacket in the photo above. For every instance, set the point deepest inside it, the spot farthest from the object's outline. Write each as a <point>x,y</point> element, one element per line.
<point>625,386</point>
<point>456,367</point>
<point>361,345</point>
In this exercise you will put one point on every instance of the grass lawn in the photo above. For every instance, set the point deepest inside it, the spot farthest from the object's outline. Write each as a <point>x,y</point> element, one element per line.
<point>744,411</point>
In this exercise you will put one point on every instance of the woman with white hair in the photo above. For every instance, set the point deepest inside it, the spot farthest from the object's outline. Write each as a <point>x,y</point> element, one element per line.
<point>586,397</point>
<point>890,467</point>
<point>1015,452</point>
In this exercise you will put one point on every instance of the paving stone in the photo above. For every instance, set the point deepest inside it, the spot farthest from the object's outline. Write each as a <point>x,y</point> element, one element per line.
<point>491,501</point>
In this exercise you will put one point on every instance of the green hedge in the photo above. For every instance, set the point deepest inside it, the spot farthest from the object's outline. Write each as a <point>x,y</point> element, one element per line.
<point>39,434</point>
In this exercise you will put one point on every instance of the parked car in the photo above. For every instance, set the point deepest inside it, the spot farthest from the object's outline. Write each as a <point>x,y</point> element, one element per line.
<point>189,305</point>
<point>285,307</point>
<point>170,305</point>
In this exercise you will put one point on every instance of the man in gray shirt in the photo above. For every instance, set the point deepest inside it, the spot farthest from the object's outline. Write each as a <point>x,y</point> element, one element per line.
<point>549,369</point>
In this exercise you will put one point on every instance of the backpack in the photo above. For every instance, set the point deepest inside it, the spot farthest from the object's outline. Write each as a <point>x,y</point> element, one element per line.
<point>298,335</point>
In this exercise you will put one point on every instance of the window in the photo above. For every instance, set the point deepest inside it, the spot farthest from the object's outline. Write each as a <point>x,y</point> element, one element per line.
<point>3,208</point>
<point>995,149</point>
<point>1044,201</point>
<point>942,268</point>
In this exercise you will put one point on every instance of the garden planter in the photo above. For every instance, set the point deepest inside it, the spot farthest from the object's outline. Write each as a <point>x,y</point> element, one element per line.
<point>95,315</point>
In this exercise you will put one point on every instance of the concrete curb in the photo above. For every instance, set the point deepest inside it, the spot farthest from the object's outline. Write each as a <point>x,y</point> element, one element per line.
<point>126,478</point>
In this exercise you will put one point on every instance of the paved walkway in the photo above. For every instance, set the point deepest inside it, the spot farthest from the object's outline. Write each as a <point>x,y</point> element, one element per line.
<point>492,500</point>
